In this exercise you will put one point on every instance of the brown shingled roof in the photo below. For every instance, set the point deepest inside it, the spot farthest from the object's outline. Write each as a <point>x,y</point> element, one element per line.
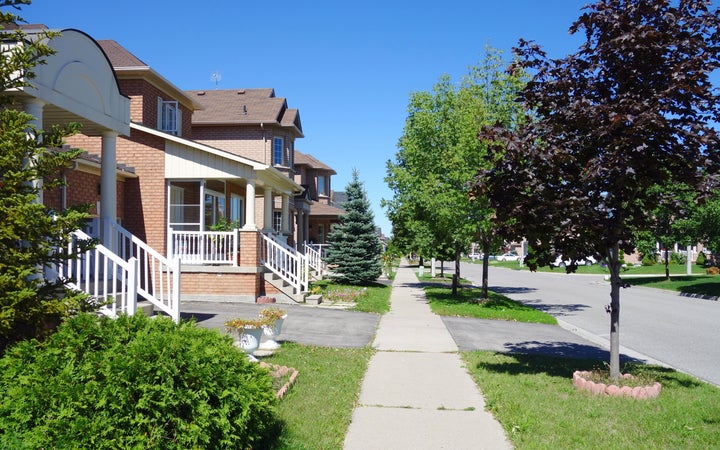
<point>238,106</point>
<point>119,56</point>
<point>321,209</point>
<point>309,160</point>
<point>244,106</point>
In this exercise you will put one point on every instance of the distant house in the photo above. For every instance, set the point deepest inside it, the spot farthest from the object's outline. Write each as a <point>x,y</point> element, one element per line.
<point>316,177</point>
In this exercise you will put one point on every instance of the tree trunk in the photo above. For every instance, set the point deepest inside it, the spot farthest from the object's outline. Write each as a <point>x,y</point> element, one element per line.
<point>486,264</point>
<point>667,265</point>
<point>614,310</point>
<point>456,275</point>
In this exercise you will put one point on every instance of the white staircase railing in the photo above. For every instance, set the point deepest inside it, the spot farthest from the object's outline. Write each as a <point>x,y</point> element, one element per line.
<point>158,278</point>
<point>315,260</point>
<point>204,247</point>
<point>286,262</point>
<point>99,272</point>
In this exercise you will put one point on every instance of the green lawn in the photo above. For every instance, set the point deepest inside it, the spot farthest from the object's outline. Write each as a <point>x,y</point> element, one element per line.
<point>374,298</point>
<point>535,401</point>
<point>702,285</point>
<point>468,303</point>
<point>315,413</point>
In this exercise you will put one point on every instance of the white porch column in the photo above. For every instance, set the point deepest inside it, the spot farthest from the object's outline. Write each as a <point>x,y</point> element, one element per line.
<point>306,224</point>
<point>250,206</point>
<point>34,107</point>
<point>268,217</point>
<point>108,180</point>
<point>286,214</point>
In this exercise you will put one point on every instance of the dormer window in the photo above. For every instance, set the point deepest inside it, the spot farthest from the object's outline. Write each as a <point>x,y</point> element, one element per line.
<point>169,118</point>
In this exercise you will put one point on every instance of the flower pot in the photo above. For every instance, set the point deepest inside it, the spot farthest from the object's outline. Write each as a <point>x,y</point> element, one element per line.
<point>271,332</point>
<point>249,340</point>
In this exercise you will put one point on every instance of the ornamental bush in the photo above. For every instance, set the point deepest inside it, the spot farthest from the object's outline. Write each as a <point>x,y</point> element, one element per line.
<point>132,382</point>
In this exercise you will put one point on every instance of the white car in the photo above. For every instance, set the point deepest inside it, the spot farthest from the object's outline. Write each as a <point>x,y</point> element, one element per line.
<point>509,256</point>
<point>587,261</point>
<point>475,256</point>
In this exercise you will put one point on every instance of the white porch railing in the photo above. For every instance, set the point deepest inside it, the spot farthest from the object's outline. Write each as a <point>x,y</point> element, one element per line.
<point>315,259</point>
<point>204,247</point>
<point>158,277</point>
<point>286,262</point>
<point>102,274</point>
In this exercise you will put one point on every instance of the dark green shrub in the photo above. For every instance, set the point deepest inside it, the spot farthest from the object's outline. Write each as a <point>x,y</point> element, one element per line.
<point>649,259</point>
<point>678,258</point>
<point>700,260</point>
<point>133,382</point>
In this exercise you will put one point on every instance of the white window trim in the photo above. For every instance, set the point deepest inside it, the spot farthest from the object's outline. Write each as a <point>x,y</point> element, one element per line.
<point>174,105</point>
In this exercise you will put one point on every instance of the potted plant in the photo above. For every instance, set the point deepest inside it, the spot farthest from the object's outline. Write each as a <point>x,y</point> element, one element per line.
<point>273,319</point>
<point>249,332</point>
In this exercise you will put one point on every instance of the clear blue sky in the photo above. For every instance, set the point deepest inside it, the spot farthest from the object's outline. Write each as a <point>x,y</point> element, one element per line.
<point>349,67</point>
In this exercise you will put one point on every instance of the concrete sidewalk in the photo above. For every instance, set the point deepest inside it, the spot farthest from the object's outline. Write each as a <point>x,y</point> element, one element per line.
<point>416,393</point>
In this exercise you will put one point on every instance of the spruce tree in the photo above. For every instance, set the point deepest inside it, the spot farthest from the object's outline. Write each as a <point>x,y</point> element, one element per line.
<point>355,246</point>
<point>32,238</point>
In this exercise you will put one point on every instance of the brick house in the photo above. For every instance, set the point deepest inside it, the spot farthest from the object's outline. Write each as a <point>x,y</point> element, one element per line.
<point>168,172</point>
<point>316,178</point>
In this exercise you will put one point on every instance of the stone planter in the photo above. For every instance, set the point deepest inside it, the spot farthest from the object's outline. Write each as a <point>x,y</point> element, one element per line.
<point>271,332</point>
<point>581,383</point>
<point>264,300</point>
<point>249,341</point>
<point>313,299</point>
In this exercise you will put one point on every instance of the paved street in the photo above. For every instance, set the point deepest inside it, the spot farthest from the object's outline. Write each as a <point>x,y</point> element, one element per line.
<point>678,331</point>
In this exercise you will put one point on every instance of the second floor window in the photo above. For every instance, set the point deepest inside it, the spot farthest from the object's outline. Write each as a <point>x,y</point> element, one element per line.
<point>322,185</point>
<point>278,150</point>
<point>168,116</point>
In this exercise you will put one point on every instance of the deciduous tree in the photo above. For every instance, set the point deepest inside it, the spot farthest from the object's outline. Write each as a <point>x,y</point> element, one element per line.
<point>438,155</point>
<point>633,108</point>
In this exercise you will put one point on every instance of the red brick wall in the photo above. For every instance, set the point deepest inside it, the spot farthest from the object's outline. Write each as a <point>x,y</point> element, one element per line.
<point>144,104</point>
<point>146,204</point>
<point>194,283</point>
<point>246,141</point>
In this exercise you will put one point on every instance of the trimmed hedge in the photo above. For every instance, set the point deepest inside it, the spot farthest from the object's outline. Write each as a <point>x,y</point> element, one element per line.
<point>132,382</point>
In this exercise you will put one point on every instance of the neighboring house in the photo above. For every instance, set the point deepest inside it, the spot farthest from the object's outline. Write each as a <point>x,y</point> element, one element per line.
<point>315,176</point>
<point>175,203</point>
<point>255,124</point>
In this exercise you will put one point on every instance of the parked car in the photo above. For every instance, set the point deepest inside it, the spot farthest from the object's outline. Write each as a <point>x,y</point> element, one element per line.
<point>509,256</point>
<point>587,261</point>
<point>475,256</point>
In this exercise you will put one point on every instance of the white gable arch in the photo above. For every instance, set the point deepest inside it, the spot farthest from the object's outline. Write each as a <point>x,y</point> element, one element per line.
<point>78,83</point>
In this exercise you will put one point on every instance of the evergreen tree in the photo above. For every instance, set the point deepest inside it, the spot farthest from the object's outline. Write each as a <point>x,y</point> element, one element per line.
<point>355,247</point>
<point>32,238</point>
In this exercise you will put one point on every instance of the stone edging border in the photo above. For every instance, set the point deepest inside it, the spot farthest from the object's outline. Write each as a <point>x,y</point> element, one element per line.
<point>277,371</point>
<point>639,392</point>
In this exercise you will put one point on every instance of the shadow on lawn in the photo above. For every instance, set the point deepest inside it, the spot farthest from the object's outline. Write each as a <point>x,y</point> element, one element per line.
<point>564,350</point>
<point>559,365</point>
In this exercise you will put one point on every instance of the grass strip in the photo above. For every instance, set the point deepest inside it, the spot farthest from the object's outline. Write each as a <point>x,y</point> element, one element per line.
<point>315,412</point>
<point>468,303</point>
<point>533,398</point>
<point>705,285</point>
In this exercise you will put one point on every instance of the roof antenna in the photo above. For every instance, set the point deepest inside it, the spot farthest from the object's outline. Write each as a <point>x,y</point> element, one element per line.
<point>216,78</point>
